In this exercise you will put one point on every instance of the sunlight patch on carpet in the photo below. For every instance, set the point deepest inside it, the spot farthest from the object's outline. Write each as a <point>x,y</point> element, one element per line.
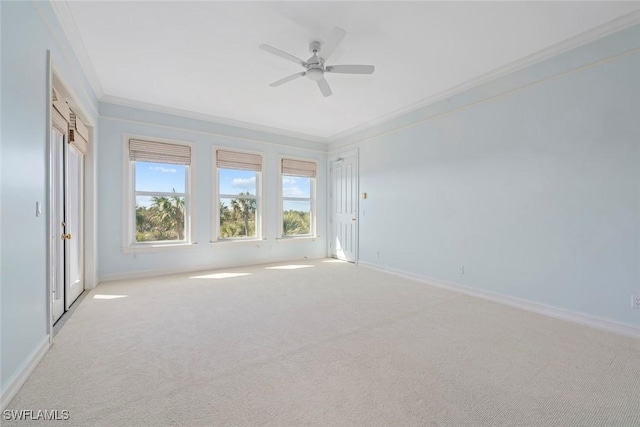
<point>288,267</point>
<point>220,276</point>
<point>101,296</point>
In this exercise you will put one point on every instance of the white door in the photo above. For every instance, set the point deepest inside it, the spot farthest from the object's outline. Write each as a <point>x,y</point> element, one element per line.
<point>344,207</point>
<point>66,225</point>
<point>58,229</point>
<point>74,253</point>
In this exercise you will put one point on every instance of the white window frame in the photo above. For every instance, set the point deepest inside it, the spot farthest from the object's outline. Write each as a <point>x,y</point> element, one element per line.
<point>215,205</point>
<point>130,245</point>
<point>313,202</point>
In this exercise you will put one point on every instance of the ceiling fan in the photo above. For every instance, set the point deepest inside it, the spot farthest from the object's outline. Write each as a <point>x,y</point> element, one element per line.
<point>315,67</point>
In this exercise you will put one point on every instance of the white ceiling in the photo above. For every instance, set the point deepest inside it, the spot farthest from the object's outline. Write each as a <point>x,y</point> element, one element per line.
<point>203,57</point>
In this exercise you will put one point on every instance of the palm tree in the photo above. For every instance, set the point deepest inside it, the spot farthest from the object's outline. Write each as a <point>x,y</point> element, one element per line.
<point>141,220</point>
<point>225,213</point>
<point>245,208</point>
<point>170,212</point>
<point>143,223</point>
<point>295,222</point>
<point>230,230</point>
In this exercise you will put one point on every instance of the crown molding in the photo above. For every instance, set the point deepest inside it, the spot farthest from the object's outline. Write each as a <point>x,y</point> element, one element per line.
<point>584,38</point>
<point>65,16</point>
<point>68,24</point>
<point>125,102</point>
<point>67,56</point>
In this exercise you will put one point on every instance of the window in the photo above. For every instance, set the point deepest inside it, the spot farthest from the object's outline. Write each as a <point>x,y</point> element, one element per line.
<point>238,194</point>
<point>298,197</point>
<point>160,183</point>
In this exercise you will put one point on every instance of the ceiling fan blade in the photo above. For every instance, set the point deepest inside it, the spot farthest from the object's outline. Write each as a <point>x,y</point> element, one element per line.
<point>282,54</point>
<point>324,87</point>
<point>333,40</point>
<point>288,79</point>
<point>350,69</point>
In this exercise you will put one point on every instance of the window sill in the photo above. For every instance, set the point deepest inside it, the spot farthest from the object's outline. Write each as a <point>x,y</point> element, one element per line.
<point>296,238</point>
<point>237,241</point>
<point>158,247</point>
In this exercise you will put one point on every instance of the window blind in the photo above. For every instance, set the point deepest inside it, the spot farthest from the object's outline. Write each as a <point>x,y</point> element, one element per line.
<point>60,112</point>
<point>293,167</point>
<point>78,134</point>
<point>234,160</point>
<point>59,122</point>
<point>160,152</point>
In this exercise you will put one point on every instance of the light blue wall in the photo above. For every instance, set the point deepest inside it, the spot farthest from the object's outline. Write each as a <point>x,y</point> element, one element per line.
<point>536,192</point>
<point>27,34</point>
<point>117,120</point>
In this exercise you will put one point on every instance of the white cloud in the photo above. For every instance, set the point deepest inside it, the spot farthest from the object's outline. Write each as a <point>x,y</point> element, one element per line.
<point>295,186</point>
<point>244,183</point>
<point>293,192</point>
<point>288,180</point>
<point>163,169</point>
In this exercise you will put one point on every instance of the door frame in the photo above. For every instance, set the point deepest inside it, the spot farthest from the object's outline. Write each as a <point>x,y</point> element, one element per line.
<point>55,79</point>
<point>332,158</point>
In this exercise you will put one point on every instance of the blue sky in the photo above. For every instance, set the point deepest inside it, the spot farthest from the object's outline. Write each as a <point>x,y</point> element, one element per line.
<point>233,181</point>
<point>160,177</point>
<point>296,186</point>
<point>166,177</point>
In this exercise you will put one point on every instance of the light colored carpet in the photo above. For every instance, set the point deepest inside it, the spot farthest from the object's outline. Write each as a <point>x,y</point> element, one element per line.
<point>329,344</point>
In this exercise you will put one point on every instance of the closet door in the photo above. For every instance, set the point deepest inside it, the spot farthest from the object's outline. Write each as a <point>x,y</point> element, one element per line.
<point>74,251</point>
<point>58,225</point>
<point>66,225</point>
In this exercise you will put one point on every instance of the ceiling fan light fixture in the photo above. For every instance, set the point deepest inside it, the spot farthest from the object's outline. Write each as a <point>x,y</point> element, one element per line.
<point>315,74</point>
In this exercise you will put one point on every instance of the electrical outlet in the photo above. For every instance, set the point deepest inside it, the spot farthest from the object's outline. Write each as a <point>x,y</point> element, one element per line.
<point>635,301</point>
<point>461,269</point>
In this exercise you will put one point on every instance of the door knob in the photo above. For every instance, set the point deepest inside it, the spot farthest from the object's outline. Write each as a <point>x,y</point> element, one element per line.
<point>66,236</point>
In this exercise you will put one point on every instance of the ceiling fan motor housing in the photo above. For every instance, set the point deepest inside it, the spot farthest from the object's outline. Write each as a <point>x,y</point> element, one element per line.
<point>314,47</point>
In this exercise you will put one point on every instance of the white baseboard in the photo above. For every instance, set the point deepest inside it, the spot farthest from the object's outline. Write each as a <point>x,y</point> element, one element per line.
<point>535,307</point>
<point>18,379</point>
<point>193,269</point>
